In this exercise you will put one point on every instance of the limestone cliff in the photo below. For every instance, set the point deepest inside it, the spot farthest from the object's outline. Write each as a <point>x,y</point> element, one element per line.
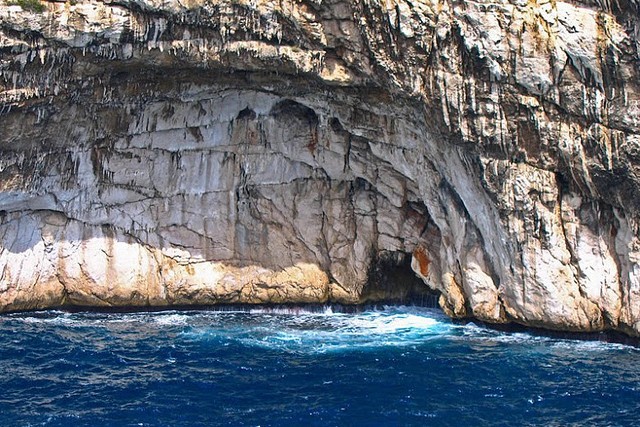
<point>199,152</point>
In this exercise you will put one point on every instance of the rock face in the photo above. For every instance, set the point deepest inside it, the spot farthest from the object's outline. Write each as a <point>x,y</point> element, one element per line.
<point>201,152</point>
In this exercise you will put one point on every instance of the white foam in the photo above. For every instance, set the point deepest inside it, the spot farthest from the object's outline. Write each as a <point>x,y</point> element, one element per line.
<point>305,311</point>
<point>592,346</point>
<point>316,331</point>
<point>381,324</point>
<point>63,320</point>
<point>322,333</point>
<point>472,332</point>
<point>171,319</point>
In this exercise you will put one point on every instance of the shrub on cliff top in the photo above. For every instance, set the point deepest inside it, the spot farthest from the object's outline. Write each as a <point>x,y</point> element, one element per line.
<point>30,5</point>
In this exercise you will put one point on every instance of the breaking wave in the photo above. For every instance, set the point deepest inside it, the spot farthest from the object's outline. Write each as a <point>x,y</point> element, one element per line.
<point>319,332</point>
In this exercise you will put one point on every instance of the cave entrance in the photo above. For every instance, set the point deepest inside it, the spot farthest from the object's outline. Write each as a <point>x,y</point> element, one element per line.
<point>391,280</point>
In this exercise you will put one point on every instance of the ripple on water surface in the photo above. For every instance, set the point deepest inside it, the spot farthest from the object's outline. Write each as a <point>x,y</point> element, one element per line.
<point>397,365</point>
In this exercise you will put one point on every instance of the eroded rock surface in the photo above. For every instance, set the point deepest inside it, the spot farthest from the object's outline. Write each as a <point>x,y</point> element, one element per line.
<point>201,152</point>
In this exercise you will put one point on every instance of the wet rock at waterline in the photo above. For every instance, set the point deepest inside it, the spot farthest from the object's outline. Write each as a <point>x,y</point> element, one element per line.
<point>171,153</point>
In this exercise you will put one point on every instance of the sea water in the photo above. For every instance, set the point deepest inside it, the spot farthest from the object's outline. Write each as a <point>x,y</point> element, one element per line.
<point>388,366</point>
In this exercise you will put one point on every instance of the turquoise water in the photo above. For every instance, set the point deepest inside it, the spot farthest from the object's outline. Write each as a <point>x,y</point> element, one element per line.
<point>392,366</point>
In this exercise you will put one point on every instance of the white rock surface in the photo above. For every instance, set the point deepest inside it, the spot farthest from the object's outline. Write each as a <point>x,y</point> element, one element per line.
<point>179,153</point>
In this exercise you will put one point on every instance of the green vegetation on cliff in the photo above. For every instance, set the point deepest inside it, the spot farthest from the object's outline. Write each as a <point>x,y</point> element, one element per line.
<point>30,5</point>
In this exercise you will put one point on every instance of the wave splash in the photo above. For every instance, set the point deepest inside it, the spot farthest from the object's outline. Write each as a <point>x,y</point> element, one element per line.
<point>313,330</point>
<point>323,333</point>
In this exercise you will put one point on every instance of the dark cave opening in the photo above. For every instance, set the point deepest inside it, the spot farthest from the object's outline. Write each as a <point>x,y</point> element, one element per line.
<point>391,280</point>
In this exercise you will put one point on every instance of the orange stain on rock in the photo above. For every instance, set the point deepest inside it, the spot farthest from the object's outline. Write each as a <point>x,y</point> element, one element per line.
<point>423,260</point>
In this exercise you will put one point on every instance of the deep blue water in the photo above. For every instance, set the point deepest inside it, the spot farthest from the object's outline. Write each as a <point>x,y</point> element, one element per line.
<point>395,366</point>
